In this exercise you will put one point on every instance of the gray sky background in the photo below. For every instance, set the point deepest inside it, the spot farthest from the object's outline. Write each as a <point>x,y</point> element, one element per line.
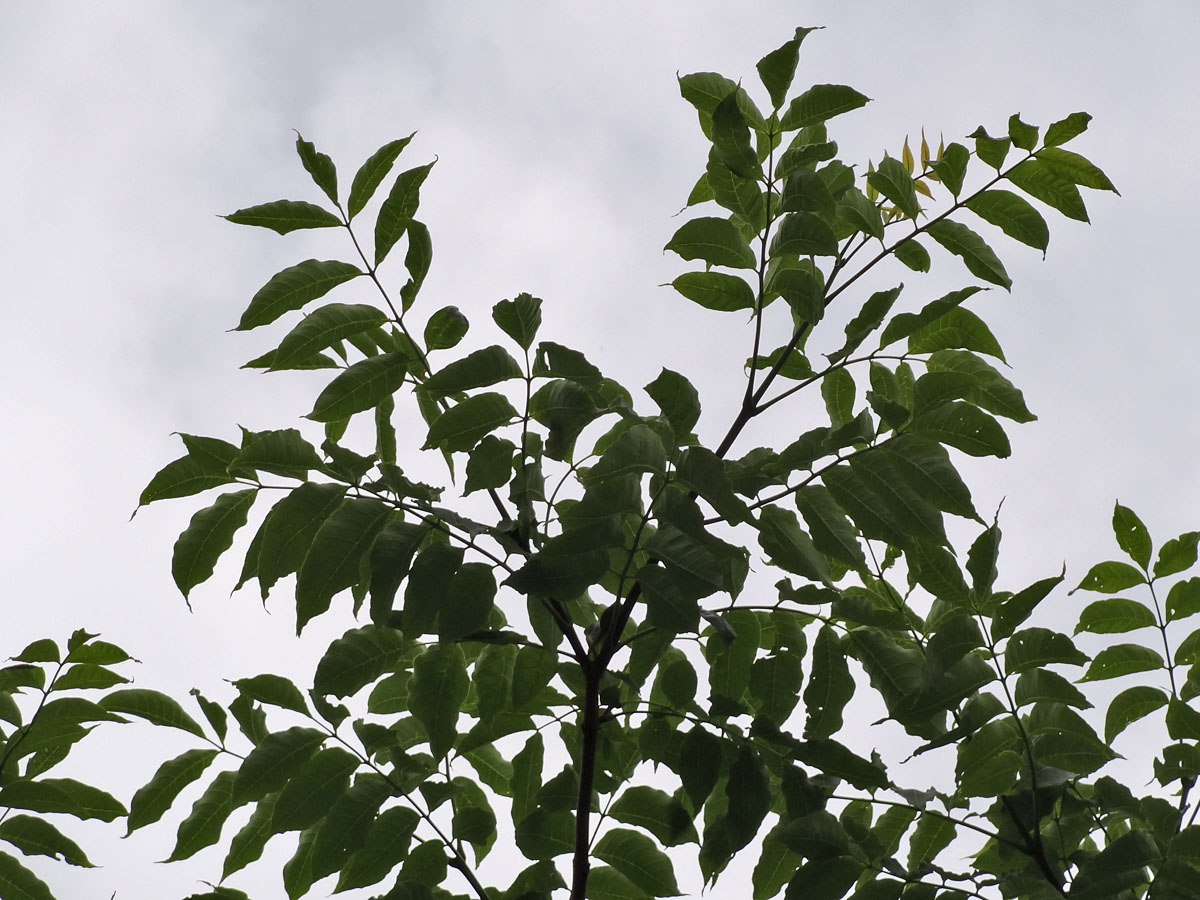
<point>564,150</point>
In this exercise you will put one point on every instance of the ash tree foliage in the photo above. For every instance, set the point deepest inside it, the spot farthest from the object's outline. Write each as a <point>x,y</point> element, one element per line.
<point>559,652</point>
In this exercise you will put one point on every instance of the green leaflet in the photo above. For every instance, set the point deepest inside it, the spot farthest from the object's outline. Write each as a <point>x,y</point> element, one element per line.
<point>437,692</point>
<point>820,103</point>
<point>293,287</point>
<point>716,241</point>
<point>372,172</point>
<point>208,535</point>
<point>396,212</point>
<point>282,216</point>
<point>964,243</point>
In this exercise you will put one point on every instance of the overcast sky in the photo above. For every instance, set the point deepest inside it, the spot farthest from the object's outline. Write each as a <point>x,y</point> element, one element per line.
<point>564,150</point>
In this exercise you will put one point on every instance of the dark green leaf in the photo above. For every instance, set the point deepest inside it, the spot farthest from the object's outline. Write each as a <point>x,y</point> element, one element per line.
<point>1110,577</point>
<point>334,559</point>
<point>804,234</point>
<point>397,210</point>
<point>247,845</point>
<point>806,191</point>
<point>290,527</point>
<point>1041,181</point>
<point>1129,706</point>
<point>37,837</point>
<point>1038,685</point>
<point>386,846</point>
<point>319,166</point>
<point>964,427</point>
<point>677,399</point>
<point>273,762</point>
<point>208,535</point>
<point>904,324</point>
<point>952,167</point>
<point>866,320</point>
<point>777,68</point>
<point>371,174</point>
<point>1132,536</point>
<point>1013,215</point>
<point>913,255</point>
<point>957,329</point>
<point>519,318</point>
<point>274,690</point>
<point>436,694</point>
<point>356,659</point>
<point>1183,599</point>
<point>831,531</point>
<point>1177,554</point>
<point>61,795</point>
<point>638,858</point>
<point>991,390</point>
<point>1076,168</point>
<point>311,792</point>
<point>716,241</point>
<point>348,823</point>
<point>860,213</point>
<point>1036,647</point>
<point>1022,135</point>
<point>820,103</point>
<point>323,328</point>
<point>362,386</point>
<point>1114,615</point>
<point>283,452</point>
<point>490,464</point>
<point>1065,129</point>
<point>464,424</point>
<point>972,249</point>
<point>731,138</point>
<point>480,368</point>
<point>789,546</point>
<point>153,706</point>
<point>715,290</point>
<point>184,477</point>
<point>990,150</point>
<point>293,287</point>
<point>1122,659</point>
<point>282,216</point>
<point>892,180</point>
<point>18,883</point>
<point>445,328</point>
<point>152,800</point>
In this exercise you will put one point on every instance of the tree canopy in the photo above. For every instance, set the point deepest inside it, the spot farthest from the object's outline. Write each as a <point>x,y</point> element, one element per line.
<point>624,657</point>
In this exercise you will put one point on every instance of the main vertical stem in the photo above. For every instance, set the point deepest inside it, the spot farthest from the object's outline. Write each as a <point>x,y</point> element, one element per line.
<point>589,729</point>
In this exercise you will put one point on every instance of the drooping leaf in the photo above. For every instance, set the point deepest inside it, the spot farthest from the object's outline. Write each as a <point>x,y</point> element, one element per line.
<point>860,213</point>
<point>1129,706</point>
<point>519,318</point>
<point>964,427</point>
<point>1013,215</point>
<point>37,837</point>
<point>964,243</point>
<point>290,527</point>
<point>283,216</point>
<point>777,68</point>
<point>437,692</point>
<point>323,328</point>
<point>61,795</point>
<point>1041,181</point>
<point>396,212</point>
<point>362,386</point>
<point>731,138</point>
<point>293,287</point>
<point>638,858</point>
<point>208,535</point>
<point>335,556</point>
<point>18,883</point>
<point>153,706</point>
<point>804,234</point>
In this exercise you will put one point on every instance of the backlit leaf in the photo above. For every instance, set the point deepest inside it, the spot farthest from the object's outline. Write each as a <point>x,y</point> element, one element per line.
<point>397,210</point>
<point>964,243</point>
<point>371,174</point>
<point>638,858</point>
<point>360,387</point>
<point>61,795</point>
<point>1129,706</point>
<point>208,535</point>
<point>820,103</point>
<point>480,368</point>
<point>1044,183</point>
<point>293,287</point>
<point>1013,215</point>
<point>436,694</point>
<point>282,216</point>
<point>894,182</point>
<point>464,424</point>
<point>334,559</point>
<point>716,241</point>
